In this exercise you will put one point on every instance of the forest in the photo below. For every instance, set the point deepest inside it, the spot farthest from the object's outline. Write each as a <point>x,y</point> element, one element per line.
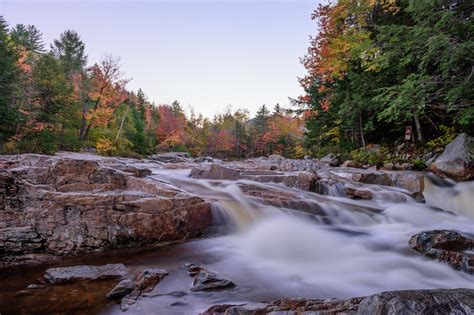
<point>51,100</point>
<point>373,68</point>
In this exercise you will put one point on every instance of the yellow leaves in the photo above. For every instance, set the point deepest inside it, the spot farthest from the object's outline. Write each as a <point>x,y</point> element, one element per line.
<point>369,59</point>
<point>104,146</point>
<point>386,5</point>
<point>333,134</point>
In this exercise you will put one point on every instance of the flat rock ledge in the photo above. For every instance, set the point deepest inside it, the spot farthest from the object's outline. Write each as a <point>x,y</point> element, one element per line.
<point>418,302</point>
<point>72,204</point>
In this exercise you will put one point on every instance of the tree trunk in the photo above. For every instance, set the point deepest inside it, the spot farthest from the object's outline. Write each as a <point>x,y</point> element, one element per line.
<point>418,127</point>
<point>121,125</point>
<point>362,138</point>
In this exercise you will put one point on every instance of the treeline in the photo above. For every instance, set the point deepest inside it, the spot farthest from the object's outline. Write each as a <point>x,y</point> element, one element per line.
<point>50,99</point>
<point>376,66</point>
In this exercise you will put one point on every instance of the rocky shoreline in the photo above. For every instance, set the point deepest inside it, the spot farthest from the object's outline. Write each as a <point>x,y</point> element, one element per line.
<point>76,204</point>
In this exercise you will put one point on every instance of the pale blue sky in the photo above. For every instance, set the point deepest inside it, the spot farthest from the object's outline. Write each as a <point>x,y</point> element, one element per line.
<point>206,54</point>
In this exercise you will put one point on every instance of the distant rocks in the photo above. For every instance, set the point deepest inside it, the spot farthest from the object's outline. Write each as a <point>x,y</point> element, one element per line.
<point>215,171</point>
<point>457,159</point>
<point>445,245</point>
<point>171,157</point>
<point>418,302</point>
<point>331,159</point>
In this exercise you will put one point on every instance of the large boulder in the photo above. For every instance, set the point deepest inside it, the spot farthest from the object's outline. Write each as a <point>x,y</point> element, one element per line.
<point>457,160</point>
<point>75,204</point>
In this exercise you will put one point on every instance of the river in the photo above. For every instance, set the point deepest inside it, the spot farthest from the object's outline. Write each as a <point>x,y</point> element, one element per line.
<point>336,247</point>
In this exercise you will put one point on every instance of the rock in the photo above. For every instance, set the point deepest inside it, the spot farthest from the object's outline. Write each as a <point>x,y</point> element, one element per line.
<point>147,281</point>
<point>457,159</point>
<point>171,157</point>
<point>123,288</point>
<point>85,273</point>
<point>418,302</point>
<point>206,159</point>
<point>193,269</point>
<point>351,163</point>
<point>388,166</point>
<point>356,193</point>
<point>411,181</point>
<point>406,167</point>
<point>437,301</point>
<point>331,159</point>
<point>150,278</point>
<point>447,246</point>
<point>216,171</point>
<point>206,280</point>
<point>364,176</point>
<point>80,204</point>
<point>430,160</point>
<point>136,171</point>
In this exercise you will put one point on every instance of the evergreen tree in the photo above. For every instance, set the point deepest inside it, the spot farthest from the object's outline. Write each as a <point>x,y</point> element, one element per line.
<point>70,49</point>
<point>8,75</point>
<point>28,37</point>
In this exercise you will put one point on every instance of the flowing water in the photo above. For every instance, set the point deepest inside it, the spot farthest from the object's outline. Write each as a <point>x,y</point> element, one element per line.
<point>335,247</point>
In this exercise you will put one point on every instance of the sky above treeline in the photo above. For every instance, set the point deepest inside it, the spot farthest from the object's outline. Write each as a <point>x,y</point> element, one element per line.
<point>207,54</point>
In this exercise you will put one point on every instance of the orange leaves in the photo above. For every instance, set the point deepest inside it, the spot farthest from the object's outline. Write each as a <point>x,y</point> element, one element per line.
<point>107,91</point>
<point>343,34</point>
<point>171,126</point>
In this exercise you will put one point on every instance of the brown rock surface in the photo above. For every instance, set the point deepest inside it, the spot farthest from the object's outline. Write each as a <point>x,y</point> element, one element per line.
<point>75,204</point>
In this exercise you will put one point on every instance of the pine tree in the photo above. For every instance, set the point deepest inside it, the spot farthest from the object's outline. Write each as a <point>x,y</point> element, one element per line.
<point>8,75</point>
<point>28,37</point>
<point>70,49</point>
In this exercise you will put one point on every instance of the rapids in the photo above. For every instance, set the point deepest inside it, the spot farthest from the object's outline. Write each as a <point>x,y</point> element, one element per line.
<point>332,247</point>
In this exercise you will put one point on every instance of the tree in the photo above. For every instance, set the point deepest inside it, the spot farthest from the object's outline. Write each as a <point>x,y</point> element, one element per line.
<point>378,65</point>
<point>8,75</point>
<point>106,92</point>
<point>29,37</point>
<point>70,49</point>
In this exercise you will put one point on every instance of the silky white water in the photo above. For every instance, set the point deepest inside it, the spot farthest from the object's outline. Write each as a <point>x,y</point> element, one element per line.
<point>363,250</point>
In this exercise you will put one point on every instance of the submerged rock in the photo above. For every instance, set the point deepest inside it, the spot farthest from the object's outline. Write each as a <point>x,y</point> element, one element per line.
<point>85,273</point>
<point>417,302</point>
<point>447,246</point>
<point>457,159</point>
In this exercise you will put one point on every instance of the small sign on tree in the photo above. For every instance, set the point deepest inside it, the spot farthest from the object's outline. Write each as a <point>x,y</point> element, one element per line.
<point>407,133</point>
